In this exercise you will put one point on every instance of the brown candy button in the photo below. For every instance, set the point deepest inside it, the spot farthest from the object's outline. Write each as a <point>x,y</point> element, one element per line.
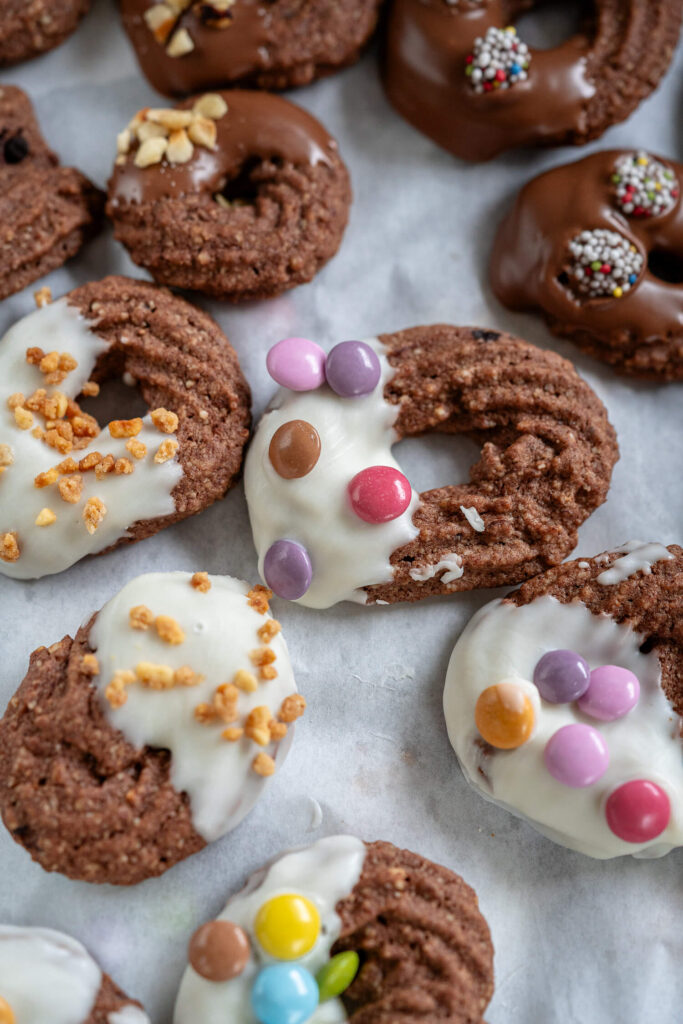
<point>219,950</point>
<point>294,449</point>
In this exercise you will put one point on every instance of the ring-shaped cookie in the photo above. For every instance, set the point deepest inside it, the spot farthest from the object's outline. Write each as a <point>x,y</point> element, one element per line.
<point>334,519</point>
<point>459,73</point>
<point>240,195</point>
<point>27,30</point>
<point>597,247</point>
<point>69,489</point>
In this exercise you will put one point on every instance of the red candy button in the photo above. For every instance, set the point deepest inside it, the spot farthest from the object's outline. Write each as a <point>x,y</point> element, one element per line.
<point>379,494</point>
<point>638,811</point>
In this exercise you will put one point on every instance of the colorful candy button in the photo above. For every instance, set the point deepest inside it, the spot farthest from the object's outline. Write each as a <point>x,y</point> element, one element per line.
<point>218,951</point>
<point>6,1013</point>
<point>336,975</point>
<point>638,811</point>
<point>297,363</point>
<point>353,369</point>
<point>576,755</point>
<point>612,692</point>
<point>504,716</point>
<point>294,449</point>
<point>287,926</point>
<point>287,569</point>
<point>561,676</point>
<point>379,494</point>
<point>284,994</point>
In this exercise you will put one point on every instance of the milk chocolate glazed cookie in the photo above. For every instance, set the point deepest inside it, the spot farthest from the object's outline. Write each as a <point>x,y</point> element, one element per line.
<point>46,975</point>
<point>343,931</point>
<point>240,195</point>
<point>564,702</point>
<point>29,29</point>
<point>184,46</point>
<point>47,212</point>
<point>69,488</point>
<point>457,70</point>
<point>152,732</point>
<point>333,517</point>
<point>597,247</point>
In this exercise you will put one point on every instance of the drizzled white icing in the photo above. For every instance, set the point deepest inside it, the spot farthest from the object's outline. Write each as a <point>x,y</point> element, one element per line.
<point>473,518</point>
<point>47,976</point>
<point>636,557</point>
<point>452,563</point>
<point>505,642</point>
<point>324,873</point>
<point>220,630</point>
<point>144,494</point>
<point>347,553</point>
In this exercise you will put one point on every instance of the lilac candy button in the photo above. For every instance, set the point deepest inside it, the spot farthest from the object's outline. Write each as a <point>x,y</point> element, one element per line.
<point>561,676</point>
<point>612,692</point>
<point>576,755</point>
<point>287,569</point>
<point>353,369</point>
<point>297,363</point>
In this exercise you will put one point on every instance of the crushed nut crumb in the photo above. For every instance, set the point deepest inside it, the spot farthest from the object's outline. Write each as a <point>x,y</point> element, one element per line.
<point>94,512</point>
<point>201,582</point>
<point>23,418</point>
<point>105,466</point>
<point>6,455</point>
<point>90,665</point>
<point>46,479</point>
<point>262,656</point>
<point>165,421</point>
<point>185,676</point>
<point>136,448</point>
<point>292,708</point>
<point>245,680</point>
<point>225,702</point>
<point>263,765</point>
<point>140,617</point>
<point>90,389</point>
<point>125,428</point>
<point>154,677</point>
<point>70,488</point>
<point>166,451</point>
<point>268,630</point>
<point>169,630</point>
<point>232,733</point>
<point>123,467</point>
<point>258,598</point>
<point>256,725</point>
<point>268,672</point>
<point>9,547</point>
<point>43,297</point>
<point>45,517</point>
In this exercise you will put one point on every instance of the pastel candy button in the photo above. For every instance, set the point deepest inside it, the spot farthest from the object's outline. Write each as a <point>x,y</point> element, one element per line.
<point>284,994</point>
<point>219,950</point>
<point>294,449</point>
<point>561,676</point>
<point>612,692</point>
<point>287,926</point>
<point>379,494</point>
<point>576,755</point>
<point>336,975</point>
<point>287,569</point>
<point>297,364</point>
<point>638,811</point>
<point>504,716</point>
<point>353,369</point>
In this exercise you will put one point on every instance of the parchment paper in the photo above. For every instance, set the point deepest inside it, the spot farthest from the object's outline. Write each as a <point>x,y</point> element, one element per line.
<point>576,940</point>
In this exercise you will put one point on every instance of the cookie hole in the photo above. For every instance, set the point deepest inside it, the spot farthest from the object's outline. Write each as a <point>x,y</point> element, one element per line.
<point>243,188</point>
<point>549,24</point>
<point>665,265</point>
<point>116,401</point>
<point>436,459</point>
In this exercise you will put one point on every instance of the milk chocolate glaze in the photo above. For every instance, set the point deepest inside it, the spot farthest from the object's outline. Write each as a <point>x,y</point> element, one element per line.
<point>562,99</point>
<point>530,259</point>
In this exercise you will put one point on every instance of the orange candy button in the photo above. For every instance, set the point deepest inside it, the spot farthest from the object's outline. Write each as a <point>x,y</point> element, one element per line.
<point>504,716</point>
<point>6,1015</point>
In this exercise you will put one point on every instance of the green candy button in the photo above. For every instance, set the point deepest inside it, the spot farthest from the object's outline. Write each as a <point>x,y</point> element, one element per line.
<point>336,975</point>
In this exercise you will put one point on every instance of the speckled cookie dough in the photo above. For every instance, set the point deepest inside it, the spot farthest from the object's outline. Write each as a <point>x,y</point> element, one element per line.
<point>29,29</point>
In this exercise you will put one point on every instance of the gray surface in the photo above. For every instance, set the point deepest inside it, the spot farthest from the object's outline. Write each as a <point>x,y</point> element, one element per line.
<point>576,940</point>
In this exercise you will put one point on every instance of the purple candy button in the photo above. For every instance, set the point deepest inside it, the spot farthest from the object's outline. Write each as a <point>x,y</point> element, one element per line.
<point>287,569</point>
<point>612,692</point>
<point>297,363</point>
<point>353,369</point>
<point>576,755</point>
<point>561,676</point>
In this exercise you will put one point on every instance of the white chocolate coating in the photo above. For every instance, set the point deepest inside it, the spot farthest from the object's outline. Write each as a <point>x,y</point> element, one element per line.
<point>145,494</point>
<point>355,433</point>
<point>636,557</point>
<point>324,873</point>
<point>47,976</point>
<point>503,642</point>
<point>220,630</point>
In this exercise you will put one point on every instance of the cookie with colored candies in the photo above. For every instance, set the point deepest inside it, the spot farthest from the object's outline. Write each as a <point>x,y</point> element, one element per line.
<point>336,932</point>
<point>595,247</point>
<point>564,702</point>
<point>335,519</point>
<point>46,975</point>
<point>164,716</point>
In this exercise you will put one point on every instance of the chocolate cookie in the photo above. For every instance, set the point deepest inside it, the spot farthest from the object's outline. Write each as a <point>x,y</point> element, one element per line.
<point>564,702</point>
<point>343,930</point>
<point>240,195</point>
<point>596,247</point>
<point>46,975</point>
<point>68,488</point>
<point>162,719</point>
<point>333,517</point>
<point>457,70</point>
<point>27,30</point>
<point>184,46</point>
<point>47,212</point>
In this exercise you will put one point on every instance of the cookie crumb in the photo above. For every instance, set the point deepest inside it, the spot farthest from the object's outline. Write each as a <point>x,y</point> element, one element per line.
<point>201,582</point>
<point>90,665</point>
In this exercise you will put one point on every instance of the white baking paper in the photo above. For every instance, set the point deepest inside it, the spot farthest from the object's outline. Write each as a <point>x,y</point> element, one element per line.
<point>577,941</point>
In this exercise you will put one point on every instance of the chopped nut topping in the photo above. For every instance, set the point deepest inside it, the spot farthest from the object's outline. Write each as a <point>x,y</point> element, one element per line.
<point>150,152</point>
<point>205,714</point>
<point>262,656</point>
<point>45,517</point>
<point>203,132</point>
<point>170,118</point>
<point>185,676</point>
<point>46,479</point>
<point>67,466</point>
<point>90,389</point>
<point>93,514</point>
<point>292,708</point>
<point>160,20</point>
<point>268,672</point>
<point>211,105</point>
<point>166,451</point>
<point>268,630</point>
<point>123,467</point>
<point>55,407</point>
<point>225,702</point>
<point>170,134</point>
<point>89,461</point>
<point>24,418</point>
<point>70,488</point>
<point>278,731</point>
<point>258,598</point>
<point>179,149</point>
<point>200,581</point>
<point>140,617</point>
<point>107,465</point>
<point>165,421</point>
<point>90,665</point>
<point>49,363</point>
<point>245,680</point>
<point>16,400</point>
<point>256,725</point>
<point>125,428</point>
<point>154,677</point>
<point>7,458</point>
<point>9,547</point>
<point>169,630</point>
<point>263,765</point>
<point>43,297</point>
<point>232,733</point>
<point>136,448</point>
<point>116,690</point>
<point>34,355</point>
<point>180,44</point>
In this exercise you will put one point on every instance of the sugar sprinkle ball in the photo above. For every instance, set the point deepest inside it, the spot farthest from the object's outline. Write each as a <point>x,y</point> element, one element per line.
<point>498,60</point>
<point>645,187</point>
<point>605,264</point>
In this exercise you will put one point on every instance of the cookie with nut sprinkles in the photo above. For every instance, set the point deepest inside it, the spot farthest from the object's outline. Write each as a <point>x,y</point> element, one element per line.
<point>48,211</point>
<point>164,716</point>
<point>70,486</point>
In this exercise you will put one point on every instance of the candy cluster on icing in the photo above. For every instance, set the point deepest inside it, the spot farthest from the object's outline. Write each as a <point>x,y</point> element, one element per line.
<point>68,488</point>
<point>644,187</point>
<point>267,958</point>
<point>604,264</point>
<point>499,60</point>
<point>196,664</point>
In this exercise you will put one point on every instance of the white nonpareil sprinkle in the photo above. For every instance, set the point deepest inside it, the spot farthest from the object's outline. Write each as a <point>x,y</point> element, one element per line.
<point>645,187</point>
<point>605,264</point>
<point>498,60</point>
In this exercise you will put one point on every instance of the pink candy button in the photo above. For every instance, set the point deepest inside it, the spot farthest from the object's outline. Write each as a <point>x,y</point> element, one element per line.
<point>297,364</point>
<point>612,692</point>
<point>379,494</point>
<point>576,755</point>
<point>638,811</point>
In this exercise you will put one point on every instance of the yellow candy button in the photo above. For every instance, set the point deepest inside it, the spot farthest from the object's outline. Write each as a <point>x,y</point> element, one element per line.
<point>287,926</point>
<point>6,1015</point>
<point>504,716</point>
